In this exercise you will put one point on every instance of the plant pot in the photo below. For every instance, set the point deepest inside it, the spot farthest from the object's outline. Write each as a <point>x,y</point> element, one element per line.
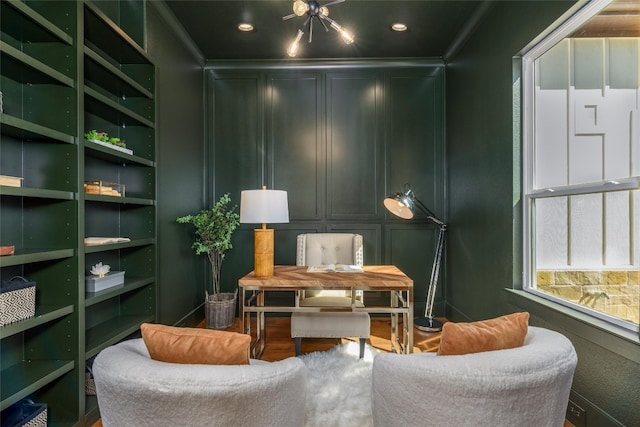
<point>112,146</point>
<point>220,310</point>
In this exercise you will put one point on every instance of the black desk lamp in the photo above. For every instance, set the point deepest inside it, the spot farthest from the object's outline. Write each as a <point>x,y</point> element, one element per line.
<point>403,205</point>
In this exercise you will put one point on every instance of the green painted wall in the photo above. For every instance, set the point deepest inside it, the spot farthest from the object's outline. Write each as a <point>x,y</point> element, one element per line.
<point>337,139</point>
<point>483,246</point>
<point>180,165</point>
<point>313,132</point>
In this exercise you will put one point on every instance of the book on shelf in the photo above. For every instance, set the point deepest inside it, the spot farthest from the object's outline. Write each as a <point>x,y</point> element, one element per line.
<point>104,188</point>
<point>10,181</point>
<point>93,241</point>
<point>335,268</point>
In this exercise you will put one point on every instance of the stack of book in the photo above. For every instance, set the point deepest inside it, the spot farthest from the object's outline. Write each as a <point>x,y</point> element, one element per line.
<point>10,181</point>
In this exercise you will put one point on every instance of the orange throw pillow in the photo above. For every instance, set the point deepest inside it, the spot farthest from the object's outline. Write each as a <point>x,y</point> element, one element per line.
<point>195,345</point>
<point>494,334</point>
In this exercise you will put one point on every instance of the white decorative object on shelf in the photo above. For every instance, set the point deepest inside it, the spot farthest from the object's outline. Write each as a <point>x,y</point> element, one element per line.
<point>95,241</point>
<point>112,146</point>
<point>110,280</point>
<point>100,270</point>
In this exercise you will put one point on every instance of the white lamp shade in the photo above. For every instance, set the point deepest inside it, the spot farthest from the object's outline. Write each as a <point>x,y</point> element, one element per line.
<point>264,206</point>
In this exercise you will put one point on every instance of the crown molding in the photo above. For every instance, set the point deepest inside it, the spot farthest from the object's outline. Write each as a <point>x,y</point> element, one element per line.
<point>170,18</point>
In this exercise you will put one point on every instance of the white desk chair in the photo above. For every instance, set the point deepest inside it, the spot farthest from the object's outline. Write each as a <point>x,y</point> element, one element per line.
<point>324,249</point>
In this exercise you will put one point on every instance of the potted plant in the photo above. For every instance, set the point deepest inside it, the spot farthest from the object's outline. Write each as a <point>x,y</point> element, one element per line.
<point>104,139</point>
<point>213,230</point>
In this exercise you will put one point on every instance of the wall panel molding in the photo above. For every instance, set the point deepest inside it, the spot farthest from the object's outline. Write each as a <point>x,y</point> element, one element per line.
<point>338,140</point>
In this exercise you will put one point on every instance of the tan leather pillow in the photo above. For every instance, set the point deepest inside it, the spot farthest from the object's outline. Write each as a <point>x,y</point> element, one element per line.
<point>486,335</point>
<point>195,345</point>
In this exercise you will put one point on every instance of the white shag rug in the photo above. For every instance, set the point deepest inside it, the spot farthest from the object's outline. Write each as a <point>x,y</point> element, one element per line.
<point>339,387</point>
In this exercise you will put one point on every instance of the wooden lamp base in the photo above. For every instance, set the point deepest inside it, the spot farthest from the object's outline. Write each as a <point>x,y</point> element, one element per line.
<point>263,252</point>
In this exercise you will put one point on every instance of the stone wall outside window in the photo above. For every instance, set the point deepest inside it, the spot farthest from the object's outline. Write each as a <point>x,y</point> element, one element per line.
<point>615,292</point>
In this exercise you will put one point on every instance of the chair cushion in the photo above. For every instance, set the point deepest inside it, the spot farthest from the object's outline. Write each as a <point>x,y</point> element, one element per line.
<point>326,324</point>
<point>329,301</point>
<point>195,345</point>
<point>494,334</point>
<point>329,248</point>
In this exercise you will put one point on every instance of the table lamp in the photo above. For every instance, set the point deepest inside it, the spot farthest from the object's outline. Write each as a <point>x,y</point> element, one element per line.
<point>262,207</point>
<point>403,205</point>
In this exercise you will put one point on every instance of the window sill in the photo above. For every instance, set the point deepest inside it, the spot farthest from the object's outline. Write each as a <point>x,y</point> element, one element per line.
<point>618,340</point>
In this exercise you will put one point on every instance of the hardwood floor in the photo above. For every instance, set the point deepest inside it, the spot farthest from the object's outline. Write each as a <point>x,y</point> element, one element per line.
<point>279,343</point>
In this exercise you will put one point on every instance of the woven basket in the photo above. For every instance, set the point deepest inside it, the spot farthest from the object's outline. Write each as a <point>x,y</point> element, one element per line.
<point>89,382</point>
<point>25,413</point>
<point>17,300</point>
<point>220,313</point>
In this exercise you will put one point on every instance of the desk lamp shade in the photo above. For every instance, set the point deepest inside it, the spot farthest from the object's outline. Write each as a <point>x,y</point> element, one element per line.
<point>404,205</point>
<point>263,207</point>
<point>400,204</point>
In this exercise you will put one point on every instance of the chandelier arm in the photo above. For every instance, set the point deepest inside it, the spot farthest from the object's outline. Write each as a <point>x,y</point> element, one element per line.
<point>322,18</point>
<point>304,24</point>
<point>312,9</point>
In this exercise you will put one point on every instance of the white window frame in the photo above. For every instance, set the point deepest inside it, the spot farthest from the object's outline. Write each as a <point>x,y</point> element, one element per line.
<point>529,194</point>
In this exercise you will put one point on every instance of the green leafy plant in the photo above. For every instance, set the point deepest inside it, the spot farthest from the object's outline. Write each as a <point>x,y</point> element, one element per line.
<point>104,137</point>
<point>118,142</point>
<point>213,230</point>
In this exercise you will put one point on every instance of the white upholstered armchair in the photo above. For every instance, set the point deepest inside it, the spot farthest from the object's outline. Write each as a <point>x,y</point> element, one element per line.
<point>525,386</point>
<point>325,249</point>
<point>135,390</point>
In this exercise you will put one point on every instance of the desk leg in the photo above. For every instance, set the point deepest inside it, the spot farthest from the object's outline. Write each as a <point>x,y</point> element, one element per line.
<point>398,300</point>
<point>394,322</point>
<point>259,343</point>
<point>244,323</point>
<point>407,321</point>
<point>257,299</point>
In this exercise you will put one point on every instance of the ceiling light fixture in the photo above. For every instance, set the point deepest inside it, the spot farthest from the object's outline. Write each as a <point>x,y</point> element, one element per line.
<point>399,26</point>
<point>313,9</point>
<point>245,26</point>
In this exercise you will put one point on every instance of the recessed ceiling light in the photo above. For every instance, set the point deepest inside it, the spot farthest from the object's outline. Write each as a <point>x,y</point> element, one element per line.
<point>244,26</point>
<point>399,26</point>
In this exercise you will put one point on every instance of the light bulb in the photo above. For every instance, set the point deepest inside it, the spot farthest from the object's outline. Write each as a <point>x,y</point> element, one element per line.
<point>324,11</point>
<point>293,47</point>
<point>300,7</point>
<point>347,37</point>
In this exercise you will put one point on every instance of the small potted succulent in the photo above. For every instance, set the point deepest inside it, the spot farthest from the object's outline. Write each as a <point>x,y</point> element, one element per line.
<point>213,230</point>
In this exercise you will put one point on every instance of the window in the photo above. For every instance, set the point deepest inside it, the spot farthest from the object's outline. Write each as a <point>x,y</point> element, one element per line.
<point>582,163</point>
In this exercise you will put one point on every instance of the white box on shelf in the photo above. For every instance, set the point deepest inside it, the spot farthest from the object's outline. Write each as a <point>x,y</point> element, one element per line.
<point>110,280</point>
<point>112,146</point>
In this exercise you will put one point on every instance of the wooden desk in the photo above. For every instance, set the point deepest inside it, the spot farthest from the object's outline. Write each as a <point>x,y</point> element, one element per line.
<point>385,278</point>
